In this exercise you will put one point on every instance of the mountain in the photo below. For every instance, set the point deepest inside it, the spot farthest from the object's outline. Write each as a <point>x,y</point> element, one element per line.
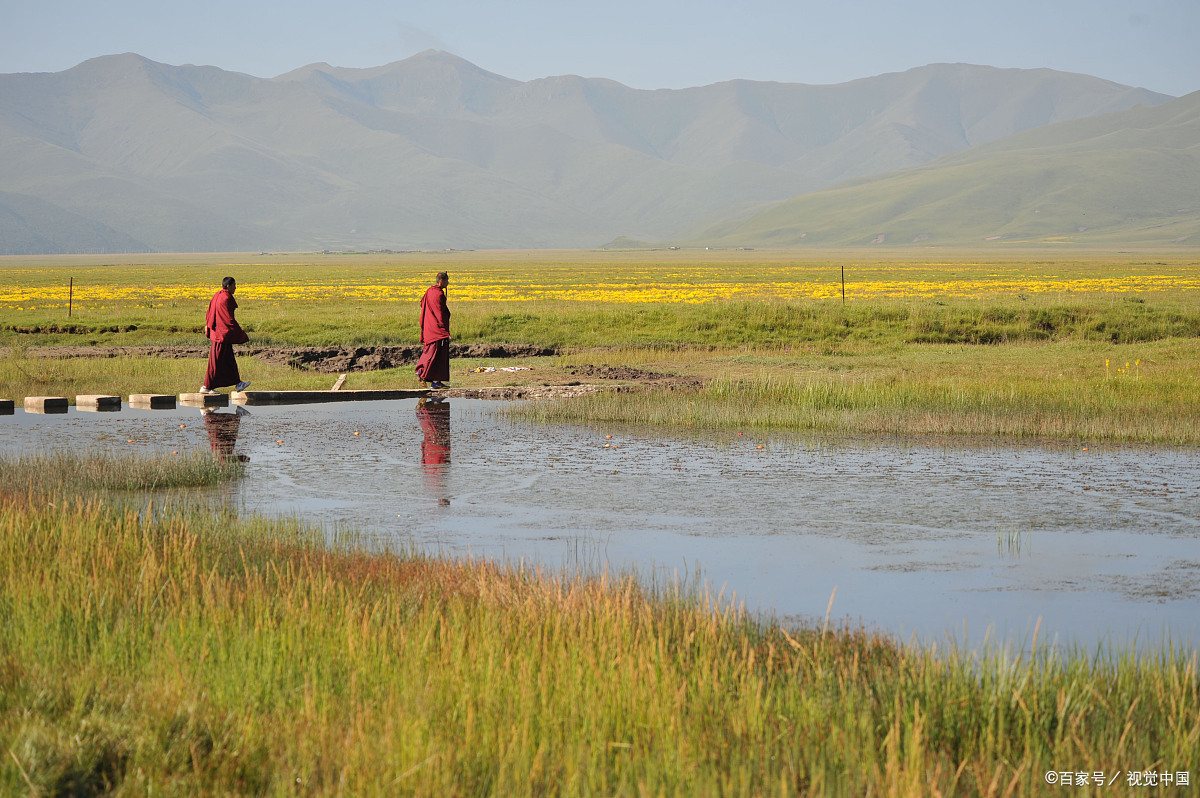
<point>125,153</point>
<point>1126,178</point>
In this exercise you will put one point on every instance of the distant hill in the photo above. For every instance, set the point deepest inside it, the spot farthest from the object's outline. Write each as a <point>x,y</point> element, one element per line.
<point>1127,178</point>
<point>122,153</point>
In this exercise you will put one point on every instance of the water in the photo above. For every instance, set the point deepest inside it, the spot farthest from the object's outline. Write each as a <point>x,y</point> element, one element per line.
<point>918,539</point>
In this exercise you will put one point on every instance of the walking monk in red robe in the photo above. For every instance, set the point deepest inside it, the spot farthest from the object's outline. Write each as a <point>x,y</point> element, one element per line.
<point>434,365</point>
<point>223,330</point>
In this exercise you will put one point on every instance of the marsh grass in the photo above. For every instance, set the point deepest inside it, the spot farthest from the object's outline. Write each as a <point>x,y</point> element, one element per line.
<point>1052,393</point>
<point>74,471</point>
<point>187,652</point>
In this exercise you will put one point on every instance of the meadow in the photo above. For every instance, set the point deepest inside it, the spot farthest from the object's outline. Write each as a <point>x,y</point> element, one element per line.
<point>1085,346</point>
<point>172,647</point>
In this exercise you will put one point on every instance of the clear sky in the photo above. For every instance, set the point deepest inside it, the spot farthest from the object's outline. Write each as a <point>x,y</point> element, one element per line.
<point>641,43</point>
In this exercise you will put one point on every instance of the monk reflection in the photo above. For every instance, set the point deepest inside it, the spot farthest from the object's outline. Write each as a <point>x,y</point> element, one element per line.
<point>223,433</point>
<point>434,416</point>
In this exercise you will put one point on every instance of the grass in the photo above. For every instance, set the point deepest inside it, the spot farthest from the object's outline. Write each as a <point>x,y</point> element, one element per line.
<point>51,473</point>
<point>190,653</point>
<point>586,299</point>
<point>1051,391</point>
<point>935,343</point>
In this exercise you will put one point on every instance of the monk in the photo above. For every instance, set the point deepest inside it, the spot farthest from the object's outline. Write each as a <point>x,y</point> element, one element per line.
<point>223,330</point>
<point>434,365</point>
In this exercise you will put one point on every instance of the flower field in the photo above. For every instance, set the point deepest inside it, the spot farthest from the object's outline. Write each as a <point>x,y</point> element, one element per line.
<point>661,277</point>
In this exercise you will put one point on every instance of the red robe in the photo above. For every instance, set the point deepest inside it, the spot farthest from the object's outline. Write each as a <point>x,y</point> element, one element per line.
<point>434,365</point>
<point>435,424</point>
<point>222,434</point>
<point>435,446</point>
<point>224,331</point>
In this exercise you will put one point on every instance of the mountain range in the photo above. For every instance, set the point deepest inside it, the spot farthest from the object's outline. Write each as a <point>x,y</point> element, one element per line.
<point>123,154</point>
<point>1124,179</point>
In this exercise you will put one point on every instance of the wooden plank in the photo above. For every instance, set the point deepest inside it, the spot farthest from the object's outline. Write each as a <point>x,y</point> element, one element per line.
<point>156,401</point>
<point>311,397</point>
<point>46,404</point>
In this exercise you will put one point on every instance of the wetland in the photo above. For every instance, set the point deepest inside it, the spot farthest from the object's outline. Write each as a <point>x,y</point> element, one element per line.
<point>920,538</point>
<point>938,538</point>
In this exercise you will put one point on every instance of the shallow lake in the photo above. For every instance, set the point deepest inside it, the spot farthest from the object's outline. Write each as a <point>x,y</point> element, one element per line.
<point>927,540</point>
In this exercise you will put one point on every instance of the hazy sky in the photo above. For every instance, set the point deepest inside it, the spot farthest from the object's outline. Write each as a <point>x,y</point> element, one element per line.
<point>641,43</point>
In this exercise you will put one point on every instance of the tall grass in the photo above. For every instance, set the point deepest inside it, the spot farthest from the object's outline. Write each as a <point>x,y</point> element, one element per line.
<point>188,653</point>
<point>1159,409</point>
<point>73,471</point>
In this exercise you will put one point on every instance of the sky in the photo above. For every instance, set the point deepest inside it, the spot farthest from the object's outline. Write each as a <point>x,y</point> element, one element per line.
<point>644,44</point>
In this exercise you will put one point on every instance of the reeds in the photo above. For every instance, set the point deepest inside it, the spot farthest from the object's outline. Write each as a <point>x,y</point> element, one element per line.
<point>187,652</point>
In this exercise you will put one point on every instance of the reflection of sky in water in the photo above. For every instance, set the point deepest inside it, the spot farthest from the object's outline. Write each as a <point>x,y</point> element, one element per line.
<point>915,537</point>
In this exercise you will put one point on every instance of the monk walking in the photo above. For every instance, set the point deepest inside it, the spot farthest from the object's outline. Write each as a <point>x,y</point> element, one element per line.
<point>434,365</point>
<point>223,330</point>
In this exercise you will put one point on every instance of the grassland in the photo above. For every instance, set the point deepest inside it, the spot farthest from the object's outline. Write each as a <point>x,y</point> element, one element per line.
<point>192,652</point>
<point>1030,344</point>
<point>187,651</point>
<point>602,299</point>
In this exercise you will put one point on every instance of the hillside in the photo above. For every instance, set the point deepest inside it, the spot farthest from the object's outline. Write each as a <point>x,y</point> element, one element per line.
<point>124,153</point>
<point>1127,178</point>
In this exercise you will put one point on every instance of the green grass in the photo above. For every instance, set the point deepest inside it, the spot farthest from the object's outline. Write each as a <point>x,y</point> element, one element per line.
<point>1048,391</point>
<point>201,654</point>
<point>999,345</point>
<point>769,298</point>
<point>764,323</point>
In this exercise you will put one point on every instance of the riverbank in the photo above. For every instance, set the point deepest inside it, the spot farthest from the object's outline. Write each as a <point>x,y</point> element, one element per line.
<point>191,650</point>
<point>1080,391</point>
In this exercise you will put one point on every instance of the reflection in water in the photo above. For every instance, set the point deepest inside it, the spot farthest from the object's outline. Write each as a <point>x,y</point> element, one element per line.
<point>434,415</point>
<point>223,433</point>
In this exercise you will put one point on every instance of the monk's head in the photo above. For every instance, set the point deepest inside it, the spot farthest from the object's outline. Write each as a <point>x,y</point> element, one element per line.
<point>441,280</point>
<point>229,284</point>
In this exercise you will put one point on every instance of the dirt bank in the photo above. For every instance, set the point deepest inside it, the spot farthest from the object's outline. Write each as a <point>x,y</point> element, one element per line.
<point>531,391</point>
<point>554,382</point>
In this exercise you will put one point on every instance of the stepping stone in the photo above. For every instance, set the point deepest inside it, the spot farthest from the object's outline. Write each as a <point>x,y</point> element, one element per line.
<point>90,401</point>
<point>204,399</point>
<point>46,404</point>
<point>154,401</point>
<point>6,407</point>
